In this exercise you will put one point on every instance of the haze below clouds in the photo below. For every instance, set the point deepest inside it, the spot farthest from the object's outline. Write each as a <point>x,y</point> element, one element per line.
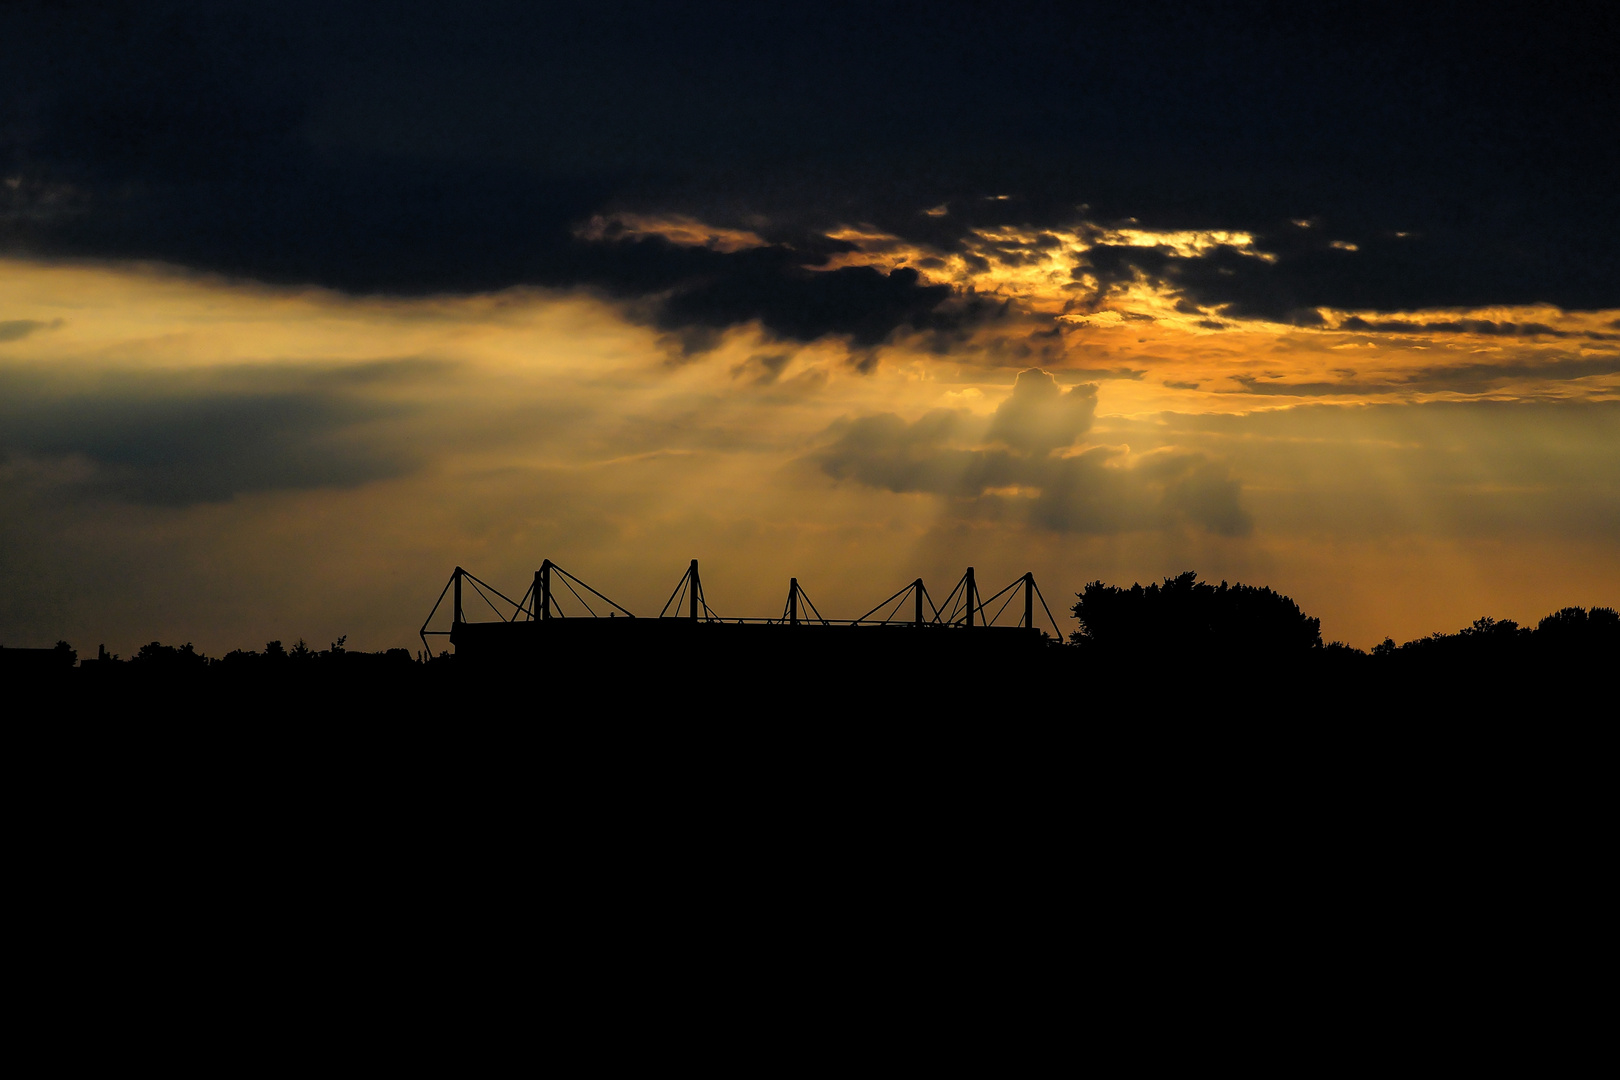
<point>192,459</point>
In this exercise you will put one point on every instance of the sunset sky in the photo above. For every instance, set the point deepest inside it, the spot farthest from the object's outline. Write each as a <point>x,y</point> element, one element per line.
<point>300,309</point>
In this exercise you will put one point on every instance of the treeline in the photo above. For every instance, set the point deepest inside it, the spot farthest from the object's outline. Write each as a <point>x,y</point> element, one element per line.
<point>276,663</point>
<point>1568,635</point>
<point>300,682</point>
<point>1187,618</point>
<point>156,656</point>
<point>1180,646</point>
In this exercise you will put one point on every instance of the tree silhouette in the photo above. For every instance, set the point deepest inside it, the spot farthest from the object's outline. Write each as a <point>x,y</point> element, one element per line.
<point>1187,616</point>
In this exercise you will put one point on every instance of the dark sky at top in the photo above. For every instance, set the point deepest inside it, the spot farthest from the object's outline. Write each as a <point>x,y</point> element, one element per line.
<point>410,148</point>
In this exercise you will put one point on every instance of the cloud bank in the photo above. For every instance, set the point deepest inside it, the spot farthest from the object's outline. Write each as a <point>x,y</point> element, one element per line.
<point>1017,465</point>
<point>177,439</point>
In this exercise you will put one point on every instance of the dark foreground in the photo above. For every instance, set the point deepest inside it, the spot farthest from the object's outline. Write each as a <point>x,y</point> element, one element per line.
<point>1067,686</point>
<point>1331,845</point>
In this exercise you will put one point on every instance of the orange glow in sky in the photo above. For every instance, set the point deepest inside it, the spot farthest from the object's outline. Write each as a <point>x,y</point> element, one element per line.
<point>1395,473</point>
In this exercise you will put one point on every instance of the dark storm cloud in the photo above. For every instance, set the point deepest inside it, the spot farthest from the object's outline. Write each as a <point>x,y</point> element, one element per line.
<point>179,139</point>
<point>1485,327</point>
<point>1463,378</point>
<point>859,302</point>
<point>178,440</point>
<point>1113,265</point>
<point>417,148</point>
<point>952,453</point>
<point>1302,271</point>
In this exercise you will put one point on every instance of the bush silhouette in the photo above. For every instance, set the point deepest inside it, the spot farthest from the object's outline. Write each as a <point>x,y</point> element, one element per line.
<point>156,657</point>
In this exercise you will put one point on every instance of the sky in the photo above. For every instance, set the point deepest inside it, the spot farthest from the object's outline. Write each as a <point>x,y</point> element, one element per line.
<point>302,307</point>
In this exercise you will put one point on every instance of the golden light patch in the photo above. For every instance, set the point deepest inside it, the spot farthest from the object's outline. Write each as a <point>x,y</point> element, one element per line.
<point>676,228</point>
